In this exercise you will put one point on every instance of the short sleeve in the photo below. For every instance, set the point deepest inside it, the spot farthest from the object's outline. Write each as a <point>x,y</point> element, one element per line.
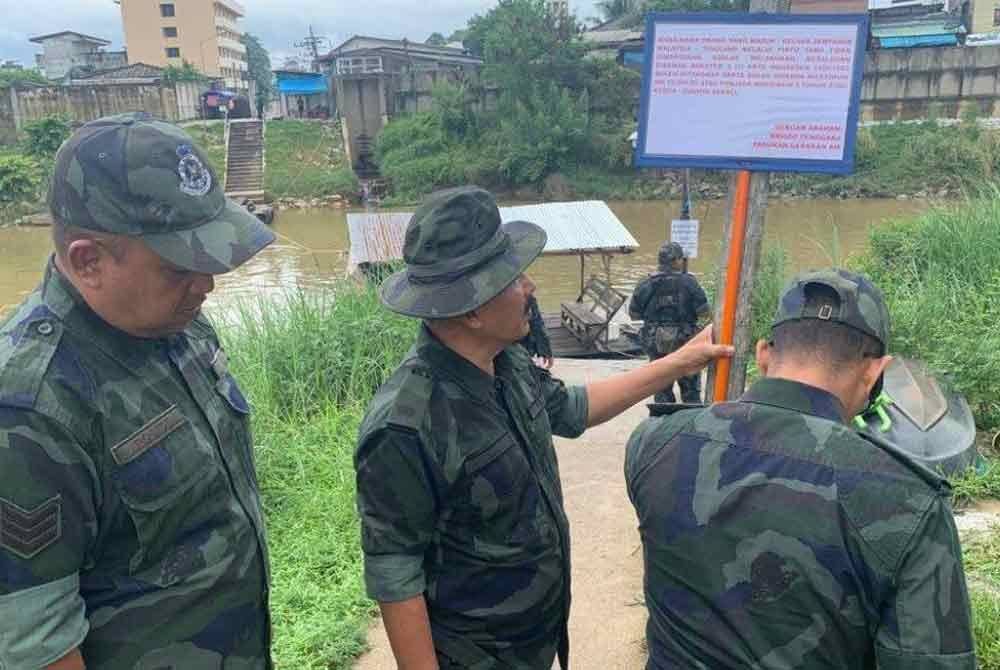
<point>48,503</point>
<point>567,406</point>
<point>926,624</point>
<point>398,510</point>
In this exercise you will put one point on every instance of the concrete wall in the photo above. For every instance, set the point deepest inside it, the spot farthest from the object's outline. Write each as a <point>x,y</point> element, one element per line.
<point>86,103</point>
<point>982,16</point>
<point>904,84</point>
<point>65,52</point>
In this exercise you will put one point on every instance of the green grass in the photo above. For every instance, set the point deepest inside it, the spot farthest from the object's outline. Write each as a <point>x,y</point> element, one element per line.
<point>977,483</point>
<point>981,554</point>
<point>210,138</point>
<point>308,366</point>
<point>942,284</point>
<point>305,159</point>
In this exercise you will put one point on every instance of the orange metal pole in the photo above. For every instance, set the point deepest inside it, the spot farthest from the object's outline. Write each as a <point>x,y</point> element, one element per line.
<point>741,206</point>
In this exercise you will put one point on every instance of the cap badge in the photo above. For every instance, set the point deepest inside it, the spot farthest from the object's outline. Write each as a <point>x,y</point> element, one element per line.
<point>196,179</point>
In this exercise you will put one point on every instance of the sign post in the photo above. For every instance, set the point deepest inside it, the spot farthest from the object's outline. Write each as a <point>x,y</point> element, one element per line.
<point>749,92</point>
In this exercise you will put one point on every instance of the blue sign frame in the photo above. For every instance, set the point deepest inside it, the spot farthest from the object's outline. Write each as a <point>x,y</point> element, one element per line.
<point>843,166</point>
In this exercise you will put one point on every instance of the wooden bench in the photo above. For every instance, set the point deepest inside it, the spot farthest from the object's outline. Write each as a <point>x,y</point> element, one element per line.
<point>589,316</point>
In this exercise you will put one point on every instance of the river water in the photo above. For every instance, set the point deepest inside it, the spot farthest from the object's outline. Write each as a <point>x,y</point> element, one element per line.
<point>311,250</point>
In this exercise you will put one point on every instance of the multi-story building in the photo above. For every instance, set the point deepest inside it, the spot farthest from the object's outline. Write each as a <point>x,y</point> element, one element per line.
<point>204,33</point>
<point>67,53</point>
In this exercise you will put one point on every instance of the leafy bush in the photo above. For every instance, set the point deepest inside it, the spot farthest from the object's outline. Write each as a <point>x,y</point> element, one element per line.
<point>45,136</point>
<point>19,179</point>
<point>13,76</point>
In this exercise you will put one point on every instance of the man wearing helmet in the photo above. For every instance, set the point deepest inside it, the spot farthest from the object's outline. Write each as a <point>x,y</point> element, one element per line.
<point>669,302</point>
<point>776,536</point>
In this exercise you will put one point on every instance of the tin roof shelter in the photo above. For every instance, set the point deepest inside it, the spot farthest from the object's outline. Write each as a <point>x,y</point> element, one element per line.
<point>574,229</point>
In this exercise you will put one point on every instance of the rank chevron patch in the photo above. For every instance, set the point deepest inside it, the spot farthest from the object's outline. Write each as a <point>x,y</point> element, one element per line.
<point>27,533</point>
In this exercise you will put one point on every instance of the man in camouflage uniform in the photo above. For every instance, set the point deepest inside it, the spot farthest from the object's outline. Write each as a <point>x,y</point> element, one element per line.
<point>131,533</point>
<point>775,536</point>
<point>669,302</point>
<point>465,538</point>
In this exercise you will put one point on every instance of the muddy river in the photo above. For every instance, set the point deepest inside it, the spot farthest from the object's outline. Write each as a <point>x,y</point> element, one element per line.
<point>311,250</point>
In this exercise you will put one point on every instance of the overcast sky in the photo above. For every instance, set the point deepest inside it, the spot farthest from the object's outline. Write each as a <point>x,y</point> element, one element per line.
<point>279,23</point>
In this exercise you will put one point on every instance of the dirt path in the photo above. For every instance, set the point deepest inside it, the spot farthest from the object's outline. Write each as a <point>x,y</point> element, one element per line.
<point>608,618</point>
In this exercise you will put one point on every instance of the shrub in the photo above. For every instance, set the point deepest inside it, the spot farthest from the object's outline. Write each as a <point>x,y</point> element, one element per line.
<point>45,136</point>
<point>19,179</point>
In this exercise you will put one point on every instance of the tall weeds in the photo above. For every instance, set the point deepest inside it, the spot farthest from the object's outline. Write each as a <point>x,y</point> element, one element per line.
<point>941,279</point>
<point>308,366</point>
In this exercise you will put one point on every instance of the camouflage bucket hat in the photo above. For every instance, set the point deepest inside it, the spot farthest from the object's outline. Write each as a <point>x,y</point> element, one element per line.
<point>459,256</point>
<point>137,176</point>
<point>862,306</point>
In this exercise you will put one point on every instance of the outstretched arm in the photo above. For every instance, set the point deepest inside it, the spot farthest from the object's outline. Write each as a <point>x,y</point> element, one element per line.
<point>610,397</point>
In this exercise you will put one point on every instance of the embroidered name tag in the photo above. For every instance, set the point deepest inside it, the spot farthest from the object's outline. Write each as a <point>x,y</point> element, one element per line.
<point>147,437</point>
<point>28,532</point>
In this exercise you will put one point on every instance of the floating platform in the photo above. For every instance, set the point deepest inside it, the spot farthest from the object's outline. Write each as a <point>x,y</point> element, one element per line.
<point>565,344</point>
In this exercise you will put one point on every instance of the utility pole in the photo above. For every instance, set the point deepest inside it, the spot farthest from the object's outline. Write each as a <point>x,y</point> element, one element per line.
<point>759,184</point>
<point>311,43</point>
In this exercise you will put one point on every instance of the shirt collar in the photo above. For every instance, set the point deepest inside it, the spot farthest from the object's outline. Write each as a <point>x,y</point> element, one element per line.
<point>795,396</point>
<point>478,382</point>
<point>68,304</point>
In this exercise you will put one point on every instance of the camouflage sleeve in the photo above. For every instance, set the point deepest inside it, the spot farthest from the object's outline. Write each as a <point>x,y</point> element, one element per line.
<point>567,406</point>
<point>397,492</point>
<point>698,298</point>
<point>48,521</point>
<point>927,622</point>
<point>637,304</point>
<point>646,441</point>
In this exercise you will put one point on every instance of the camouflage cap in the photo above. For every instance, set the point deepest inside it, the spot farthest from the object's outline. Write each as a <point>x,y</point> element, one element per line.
<point>458,255</point>
<point>670,252</point>
<point>134,175</point>
<point>861,307</point>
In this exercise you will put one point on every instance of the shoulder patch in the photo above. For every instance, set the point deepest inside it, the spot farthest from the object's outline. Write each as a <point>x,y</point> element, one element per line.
<point>410,404</point>
<point>28,532</point>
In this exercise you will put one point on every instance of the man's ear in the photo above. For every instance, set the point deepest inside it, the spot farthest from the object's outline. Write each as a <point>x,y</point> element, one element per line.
<point>85,259</point>
<point>472,320</point>
<point>763,356</point>
<point>872,370</point>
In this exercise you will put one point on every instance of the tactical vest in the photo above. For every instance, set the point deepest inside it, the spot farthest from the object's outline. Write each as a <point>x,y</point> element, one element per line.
<point>670,300</point>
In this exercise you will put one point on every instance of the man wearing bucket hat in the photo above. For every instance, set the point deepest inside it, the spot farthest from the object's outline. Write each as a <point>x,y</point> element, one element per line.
<point>465,537</point>
<point>131,532</point>
<point>774,535</point>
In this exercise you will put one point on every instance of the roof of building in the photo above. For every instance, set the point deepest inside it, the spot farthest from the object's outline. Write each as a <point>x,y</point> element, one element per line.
<point>132,73</point>
<point>412,48</point>
<point>89,38</point>
<point>572,227</point>
<point>300,83</point>
<point>829,6</point>
<point>931,25</point>
<point>611,37</point>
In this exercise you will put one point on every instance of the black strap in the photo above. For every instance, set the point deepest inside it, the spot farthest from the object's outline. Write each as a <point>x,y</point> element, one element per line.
<point>563,651</point>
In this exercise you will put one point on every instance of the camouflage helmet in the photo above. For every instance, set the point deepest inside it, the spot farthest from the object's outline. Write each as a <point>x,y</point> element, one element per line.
<point>861,307</point>
<point>669,252</point>
<point>458,255</point>
<point>134,175</point>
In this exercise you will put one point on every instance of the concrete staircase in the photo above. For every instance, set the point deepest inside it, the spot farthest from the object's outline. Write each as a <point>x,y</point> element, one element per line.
<point>245,159</point>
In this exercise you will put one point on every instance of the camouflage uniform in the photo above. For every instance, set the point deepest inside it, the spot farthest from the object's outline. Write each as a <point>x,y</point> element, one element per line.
<point>457,477</point>
<point>775,536</point>
<point>669,303</point>
<point>130,519</point>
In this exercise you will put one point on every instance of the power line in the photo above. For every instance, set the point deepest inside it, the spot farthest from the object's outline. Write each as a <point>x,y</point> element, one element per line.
<point>312,43</point>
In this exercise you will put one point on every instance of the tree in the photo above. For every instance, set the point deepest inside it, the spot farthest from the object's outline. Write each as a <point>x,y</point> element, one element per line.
<point>616,9</point>
<point>183,72</point>
<point>13,76</point>
<point>522,41</point>
<point>436,40</point>
<point>259,69</point>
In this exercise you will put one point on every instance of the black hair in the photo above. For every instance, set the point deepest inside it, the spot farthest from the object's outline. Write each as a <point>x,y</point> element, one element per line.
<point>64,235</point>
<point>829,342</point>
